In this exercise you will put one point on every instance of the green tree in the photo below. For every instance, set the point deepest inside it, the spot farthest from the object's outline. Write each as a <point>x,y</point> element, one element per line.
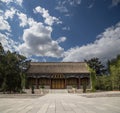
<point>2,68</point>
<point>114,66</point>
<point>104,82</point>
<point>112,80</point>
<point>93,80</point>
<point>96,65</point>
<point>13,67</point>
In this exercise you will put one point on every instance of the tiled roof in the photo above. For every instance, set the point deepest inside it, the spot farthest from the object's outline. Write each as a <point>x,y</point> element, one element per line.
<point>58,67</point>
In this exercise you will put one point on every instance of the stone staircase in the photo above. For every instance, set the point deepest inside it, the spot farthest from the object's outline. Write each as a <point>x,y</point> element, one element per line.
<point>58,91</point>
<point>54,91</point>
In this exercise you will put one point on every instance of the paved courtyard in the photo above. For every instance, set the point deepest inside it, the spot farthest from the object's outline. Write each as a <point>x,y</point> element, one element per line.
<point>60,103</point>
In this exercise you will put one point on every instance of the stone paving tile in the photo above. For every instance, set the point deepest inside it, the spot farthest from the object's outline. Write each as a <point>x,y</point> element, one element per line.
<point>60,103</point>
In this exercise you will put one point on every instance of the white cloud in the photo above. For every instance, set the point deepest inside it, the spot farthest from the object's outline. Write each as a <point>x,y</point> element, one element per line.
<point>8,43</point>
<point>7,1</point>
<point>115,2</point>
<point>33,60</point>
<point>62,9</point>
<point>1,11</point>
<point>69,2</point>
<point>66,28</point>
<point>62,5</point>
<point>49,20</point>
<point>91,5</point>
<point>37,41</point>
<point>4,25</point>
<point>5,28</point>
<point>23,19</point>
<point>19,2</point>
<point>61,39</point>
<point>9,13</point>
<point>107,46</point>
<point>74,2</point>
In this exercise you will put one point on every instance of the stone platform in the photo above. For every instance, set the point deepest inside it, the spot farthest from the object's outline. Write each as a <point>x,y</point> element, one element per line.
<point>60,103</point>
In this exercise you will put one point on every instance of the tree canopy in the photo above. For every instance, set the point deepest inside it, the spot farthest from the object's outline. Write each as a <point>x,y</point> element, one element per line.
<point>96,65</point>
<point>13,67</point>
<point>114,66</point>
<point>108,81</point>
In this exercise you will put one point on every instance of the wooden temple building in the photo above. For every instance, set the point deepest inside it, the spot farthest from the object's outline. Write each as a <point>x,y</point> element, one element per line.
<point>58,75</point>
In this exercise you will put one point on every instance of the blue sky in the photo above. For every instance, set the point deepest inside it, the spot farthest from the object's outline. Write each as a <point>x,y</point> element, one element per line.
<point>61,30</point>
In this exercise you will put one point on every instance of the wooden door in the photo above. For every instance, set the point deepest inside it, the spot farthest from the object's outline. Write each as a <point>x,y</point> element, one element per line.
<point>58,84</point>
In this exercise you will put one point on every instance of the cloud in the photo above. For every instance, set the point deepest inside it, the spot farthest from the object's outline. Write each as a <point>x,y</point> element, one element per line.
<point>61,39</point>
<point>62,5</point>
<point>5,28</point>
<point>74,2</point>
<point>33,60</point>
<point>7,1</point>
<point>4,25</point>
<point>91,5</point>
<point>8,43</point>
<point>37,41</point>
<point>36,38</point>
<point>115,2</point>
<point>23,19</point>
<point>106,46</point>
<point>66,28</point>
<point>10,13</point>
<point>19,2</point>
<point>69,2</point>
<point>4,16</point>
<point>49,20</point>
<point>62,9</point>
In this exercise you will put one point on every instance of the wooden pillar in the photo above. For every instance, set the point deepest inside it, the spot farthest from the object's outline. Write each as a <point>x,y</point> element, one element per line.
<point>50,82</point>
<point>36,82</point>
<point>79,82</point>
<point>65,82</point>
<point>30,82</point>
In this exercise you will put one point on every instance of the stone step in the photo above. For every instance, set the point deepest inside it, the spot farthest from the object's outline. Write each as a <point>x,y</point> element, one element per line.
<point>58,91</point>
